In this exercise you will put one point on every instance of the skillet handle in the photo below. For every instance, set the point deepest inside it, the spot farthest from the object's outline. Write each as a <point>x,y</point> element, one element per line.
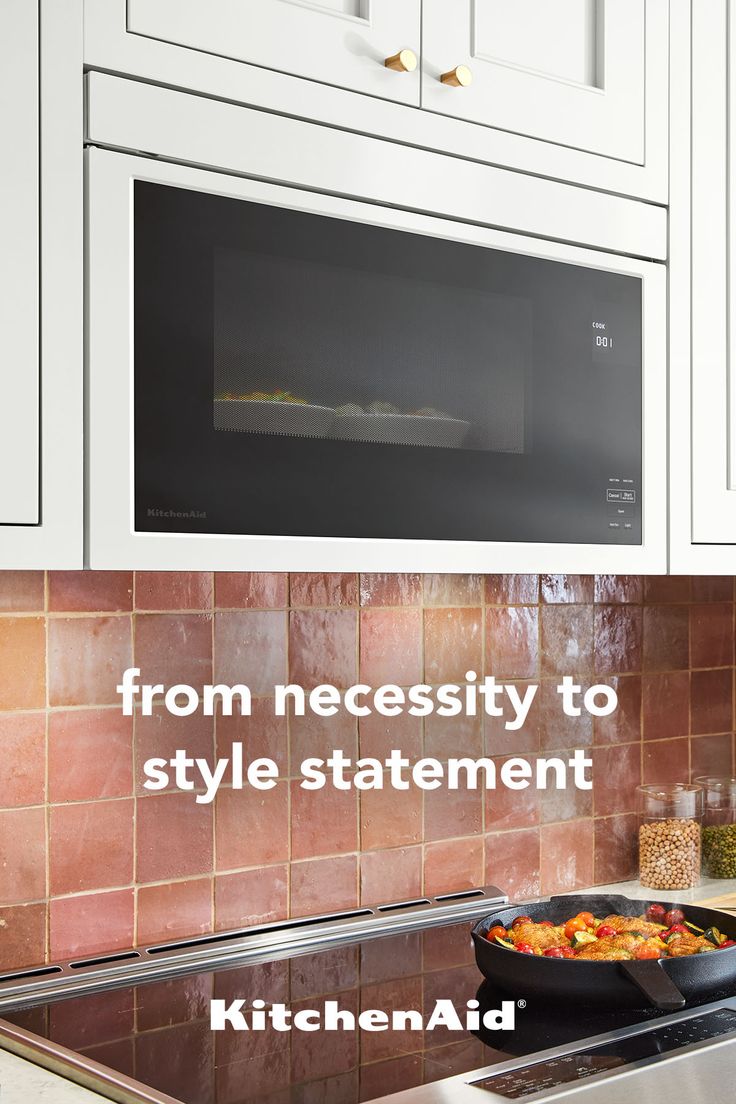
<point>649,976</point>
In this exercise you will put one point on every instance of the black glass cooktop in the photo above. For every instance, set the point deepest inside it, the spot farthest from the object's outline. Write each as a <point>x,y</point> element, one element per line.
<point>159,1033</point>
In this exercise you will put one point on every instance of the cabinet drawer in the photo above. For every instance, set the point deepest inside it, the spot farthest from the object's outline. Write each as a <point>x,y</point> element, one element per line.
<point>339,42</point>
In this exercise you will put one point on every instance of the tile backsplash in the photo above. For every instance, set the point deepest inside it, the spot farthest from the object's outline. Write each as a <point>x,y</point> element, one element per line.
<point>90,861</point>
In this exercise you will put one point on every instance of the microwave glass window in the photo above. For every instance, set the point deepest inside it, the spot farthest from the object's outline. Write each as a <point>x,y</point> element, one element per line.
<point>301,374</point>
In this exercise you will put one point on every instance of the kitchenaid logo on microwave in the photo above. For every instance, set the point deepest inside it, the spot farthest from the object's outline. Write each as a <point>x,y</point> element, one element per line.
<point>158,512</point>
<point>257,1017</point>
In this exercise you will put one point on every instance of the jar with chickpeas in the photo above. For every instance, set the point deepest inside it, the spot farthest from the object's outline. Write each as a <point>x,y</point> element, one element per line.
<point>670,823</point>
<point>719,826</point>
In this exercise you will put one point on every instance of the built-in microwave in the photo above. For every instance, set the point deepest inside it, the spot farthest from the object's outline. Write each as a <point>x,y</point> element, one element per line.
<point>282,376</point>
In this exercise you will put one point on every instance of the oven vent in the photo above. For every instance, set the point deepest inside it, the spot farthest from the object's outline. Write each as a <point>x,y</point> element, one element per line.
<point>462,896</point>
<point>290,924</point>
<point>21,975</point>
<point>124,956</point>
<point>403,905</point>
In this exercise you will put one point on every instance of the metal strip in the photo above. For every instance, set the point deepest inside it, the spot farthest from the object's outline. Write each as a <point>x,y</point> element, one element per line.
<point>227,949</point>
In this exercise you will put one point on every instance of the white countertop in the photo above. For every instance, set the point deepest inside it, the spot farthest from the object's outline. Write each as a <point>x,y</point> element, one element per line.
<point>709,887</point>
<point>22,1082</point>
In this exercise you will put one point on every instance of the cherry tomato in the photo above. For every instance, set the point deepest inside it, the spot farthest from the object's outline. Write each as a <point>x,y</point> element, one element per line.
<point>556,952</point>
<point>546,924</point>
<point>567,952</point>
<point>603,930</point>
<point>677,928</point>
<point>728,943</point>
<point>497,932</point>
<point>588,917</point>
<point>647,950</point>
<point>520,920</point>
<point>525,948</point>
<point>574,925</point>
<point>674,916</point>
<point>656,914</point>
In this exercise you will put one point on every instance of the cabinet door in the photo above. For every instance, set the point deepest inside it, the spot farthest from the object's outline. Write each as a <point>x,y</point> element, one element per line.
<point>571,73</point>
<point>19,275</point>
<point>341,42</point>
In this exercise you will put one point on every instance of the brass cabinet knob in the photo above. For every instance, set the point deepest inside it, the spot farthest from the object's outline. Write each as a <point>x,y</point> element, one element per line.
<point>403,62</point>
<point>459,77</point>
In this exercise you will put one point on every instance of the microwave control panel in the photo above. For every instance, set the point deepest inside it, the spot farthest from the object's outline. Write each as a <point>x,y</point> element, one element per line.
<point>622,501</point>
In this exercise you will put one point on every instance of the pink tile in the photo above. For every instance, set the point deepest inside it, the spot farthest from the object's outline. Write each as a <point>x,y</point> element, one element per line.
<point>378,589</point>
<point>90,846</point>
<point>391,646</point>
<point>506,808</point>
<point>398,994</point>
<point>390,818</point>
<point>380,735</point>
<point>512,590</point>
<point>175,1001</point>
<point>173,837</point>
<point>453,644</point>
<point>21,591</point>
<point>512,641</point>
<point>24,935</point>
<point>174,648</point>
<point>566,804</point>
<point>618,639</point>
<point>616,774</point>
<point>449,813</point>
<point>252,827</point>
<point>512,862</point>
<point>392,875</point>
<point>446,947</point>
<point>567,856</point>
<point>711,701</point>
<point>324,885</point>
<point>23,743</point>
<point>666,588</point>
<point>501,741</point>
<point>623,725</point>
<point>711,634</point>
<point>616,848</point>
<point>94,923</point>
<point>322,647</point>
<point>313,1062</point>
<point>323,822</point>
<point>619,588</point>
<point>174,911</point>
<point>556,730</point>
<point>453,736</point>
<point>666,632</point>
<point>712,588</point>
<point>22,663</point>
<point>90,591</point>
<point>251,897</point>
<point>161,735</point>
<point>87,656</point>
<point>312,589</point>
<point>328,971</point>
<point>452,865</point>
<point>251,590</point>
<point>666,705</point>
<point>453,590</point>
<point>567,639</point>
<point>250,648</point>
<point>666,760</point>
<point>316,737</point>
<point>711,755</point>
<point>262,734</point>
<point>173,590</point>
<point>90,755</point>
<point>22,855</point>
<point>555,589</point>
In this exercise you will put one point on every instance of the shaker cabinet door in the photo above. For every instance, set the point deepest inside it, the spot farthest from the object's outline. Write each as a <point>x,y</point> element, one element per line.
<point>571,73</point>
<point>339,42</point>
<point>19,274</point>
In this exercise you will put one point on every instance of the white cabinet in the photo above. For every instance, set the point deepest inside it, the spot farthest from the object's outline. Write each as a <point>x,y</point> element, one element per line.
<point>571,73</point>
<point>19,275</point>
<point>703,295</point>
<point>341,42</point>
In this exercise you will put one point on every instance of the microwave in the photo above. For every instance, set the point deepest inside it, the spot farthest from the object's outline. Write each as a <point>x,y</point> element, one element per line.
<point>290,373</point>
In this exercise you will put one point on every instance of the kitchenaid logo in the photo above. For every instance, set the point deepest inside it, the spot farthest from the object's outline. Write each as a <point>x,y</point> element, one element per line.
<point>257,1017</point>
<point>157,512</point>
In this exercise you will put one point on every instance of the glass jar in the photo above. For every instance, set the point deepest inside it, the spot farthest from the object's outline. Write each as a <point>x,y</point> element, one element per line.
<point>719,826</point>
<point>670,821</point>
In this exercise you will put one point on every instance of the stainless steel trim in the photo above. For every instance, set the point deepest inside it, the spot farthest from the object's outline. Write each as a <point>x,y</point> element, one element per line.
<point>226,949</point>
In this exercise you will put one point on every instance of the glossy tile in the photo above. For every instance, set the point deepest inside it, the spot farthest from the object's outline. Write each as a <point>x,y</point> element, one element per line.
<point>453,644</point>
<point>250,897</point>
<point>161,735</point>
<point>616,774</point>
<point>174,590</point>
<point>90,846</point>
<point>711,634</point>
<point>616,848</point>
<point>512,590</point>
<point>22,855</point>
<point>173,837</point>
<point>251,590</point>
<point>24,935</point>
<point>252,827</point>
<point>22,591</point>
<point>332,589</point>
<point>666,638</point>
<point>390,875</point>
<point>322,647</point>
<point>390,817</point>
<point>711,701</point>
<point>619,588</point>
<point>250,648</point>
<point>512,862</point>
<point>390,647</point>
<point>618,639</point>
<point>512,641</point>
<point>87,656</point>
<point>665,705</point>
<point>623,726</point>
<point>22,663</point>
<point>384,589</point>
<point>90,591</point>
<point>555,589</point>
<point>566,856</point>
<point>323,822</point>
<point>324,885</point>
<point>453,590</point>
<point>451,865</point>
<point>90,755</point>
<point>93,923</point>
<point>174,911</point>
<point>23,743</point>
<point>449,813</point>
<point>566,639</point>
<point>666,760</point>
<point>174,648</point>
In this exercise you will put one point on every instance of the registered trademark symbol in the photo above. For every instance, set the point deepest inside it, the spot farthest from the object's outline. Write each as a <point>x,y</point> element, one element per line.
<point>521,1004</point>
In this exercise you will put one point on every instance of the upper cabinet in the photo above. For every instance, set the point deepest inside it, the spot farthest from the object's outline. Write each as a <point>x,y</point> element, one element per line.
<point>570,73</point>
<point>341,42</point>
<point>575,90</point>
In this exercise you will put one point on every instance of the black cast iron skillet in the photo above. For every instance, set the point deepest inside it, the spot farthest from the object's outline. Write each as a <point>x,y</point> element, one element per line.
<point>665,983</point>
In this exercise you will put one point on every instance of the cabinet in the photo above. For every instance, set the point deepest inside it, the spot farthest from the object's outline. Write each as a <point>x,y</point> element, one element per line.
<point>703,296</point>
<point>341,42</point>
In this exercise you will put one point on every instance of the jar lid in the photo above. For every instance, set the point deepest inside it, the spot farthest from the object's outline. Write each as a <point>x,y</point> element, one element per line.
<point>670,799</point>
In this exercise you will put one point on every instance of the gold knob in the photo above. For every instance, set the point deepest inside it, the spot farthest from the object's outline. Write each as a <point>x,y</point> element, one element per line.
<point>403,62</point>
<point>459,77</point>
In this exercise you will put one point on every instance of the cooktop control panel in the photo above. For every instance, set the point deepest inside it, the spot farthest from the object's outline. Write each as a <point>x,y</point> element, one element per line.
<point>641,1048</point>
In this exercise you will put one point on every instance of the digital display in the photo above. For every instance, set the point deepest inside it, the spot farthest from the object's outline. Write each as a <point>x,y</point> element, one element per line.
<point>646,1046</point>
